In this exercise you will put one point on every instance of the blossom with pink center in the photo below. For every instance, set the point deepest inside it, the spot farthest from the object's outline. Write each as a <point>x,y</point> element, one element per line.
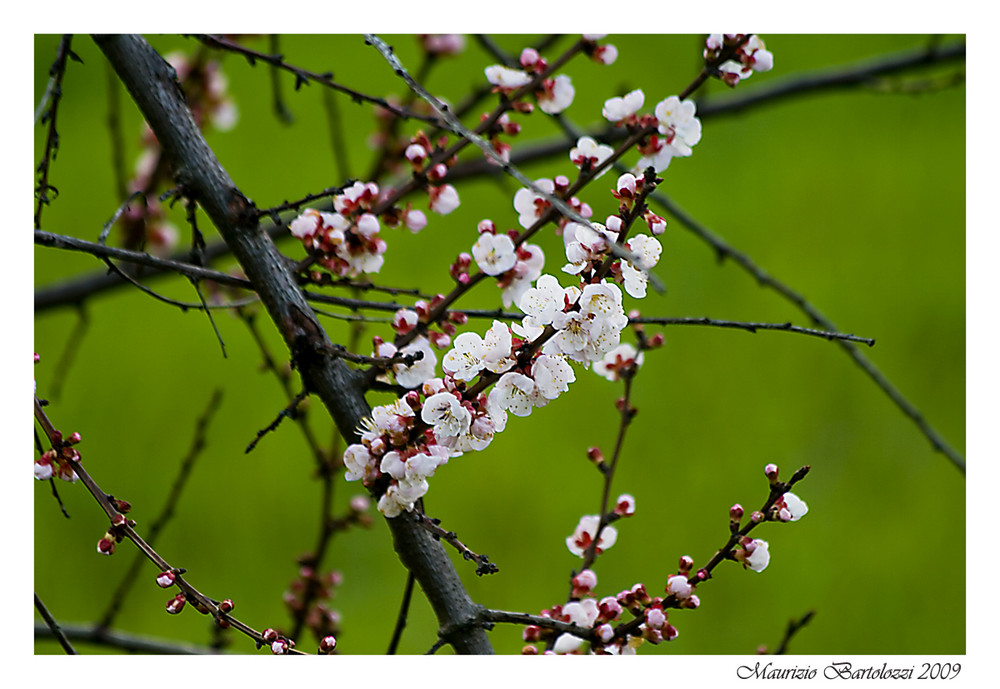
<point>582,538</point>
<point>494,253</point>
<point>581,613</point>
<point>791,507</point>
<point>443,199</point>
<point>530,261</point>
<point>557,95</point>
<point>587,150</point>
<point>529,205</point>
<point>625,504</point>
<point>616,361</point>
<point>623,107</point>
<point>678,123</point>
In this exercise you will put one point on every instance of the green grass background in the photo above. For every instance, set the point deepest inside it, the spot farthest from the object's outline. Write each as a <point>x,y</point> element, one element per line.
<point>854,198</point>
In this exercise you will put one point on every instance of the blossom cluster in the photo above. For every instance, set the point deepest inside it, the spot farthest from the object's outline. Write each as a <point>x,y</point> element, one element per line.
<point>750,56</point>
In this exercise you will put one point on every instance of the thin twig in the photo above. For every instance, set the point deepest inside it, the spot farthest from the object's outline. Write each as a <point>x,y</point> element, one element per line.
<point>287,411</point>
<point>124,641</point>
<point>483,564</point>
<point>127,530</point>
<point>404,608</point>
<point>793,628</point>
<point>51,97</point>
<point>197,445</point>
<point>53,627</point>
<point>304,76</point>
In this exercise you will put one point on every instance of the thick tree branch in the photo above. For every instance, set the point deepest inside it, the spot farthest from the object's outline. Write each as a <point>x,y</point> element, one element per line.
<point>150,81</point>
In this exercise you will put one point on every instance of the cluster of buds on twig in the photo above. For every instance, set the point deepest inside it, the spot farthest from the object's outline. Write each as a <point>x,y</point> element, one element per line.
<point>60,460</point>
<point>750,56</point>
<point>308,598</point>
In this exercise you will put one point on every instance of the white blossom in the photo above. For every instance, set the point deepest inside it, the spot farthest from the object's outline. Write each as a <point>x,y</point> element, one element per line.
<point>618,108</point>
<point>616,360</point>
<point>506,78</point>
<point>587,149</point>
<point>514,393</point>
<point>497,348</point>
<point>552,375</point>
<point>759,558</point>
<point>446,414</point>
<point>530,205</point>
<point>465,360</point>
<point>356,458</point>
<point>582,613</point>
<point>421,370</point>
<point>494,253</point>
<point>581,539</point>
<point>557,98</point>
<point>679,124</point>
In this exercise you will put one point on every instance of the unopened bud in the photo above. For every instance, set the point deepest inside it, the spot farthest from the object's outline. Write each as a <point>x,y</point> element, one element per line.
<point>226,605</point>
<point>771,471</point>
<point>165,580</point>
<point>269,635</point>
<point>176,604</point>
<point>106,546</point>
<point>686,563</point>
<point>529,650</point>
<point>327,645</point>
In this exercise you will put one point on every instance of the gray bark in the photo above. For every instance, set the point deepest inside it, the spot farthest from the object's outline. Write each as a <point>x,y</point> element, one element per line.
<point>152,85</point>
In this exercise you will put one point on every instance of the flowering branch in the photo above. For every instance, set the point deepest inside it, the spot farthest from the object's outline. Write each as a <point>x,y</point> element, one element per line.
<point>121,527</point>
<point>150,82</point>
<point>197,445</point>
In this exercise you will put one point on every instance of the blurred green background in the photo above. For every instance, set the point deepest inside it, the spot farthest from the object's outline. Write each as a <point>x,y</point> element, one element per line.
<point>855,198</point>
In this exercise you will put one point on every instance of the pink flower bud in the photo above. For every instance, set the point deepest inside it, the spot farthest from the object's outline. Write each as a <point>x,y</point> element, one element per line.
<point>771,471</point>
<point>605,633</point>
<point>165,580</point>
<point>531,633</point>
<point>595,455</point>
<point>74,439</point>
<point>529,57</point>
<point>625,505</point>
<point>529,650</point>
<point>609,609</point>
<point>226,605</point>
<point>437,173</point>
<point>176,604</point>
<point>269,635</point>
<point>360,503</point>
<point>686,563</point>
<point>692,602</point>
<point>43,468</point>
<point>583,583</point>
<point>655,618</point>
<point>670,632</point>
<point>327,645</point>
<point>736,513</point>
<point>106,546</point>
<point>416,220</point>
<point>416,154</point>
<point>279,647</point>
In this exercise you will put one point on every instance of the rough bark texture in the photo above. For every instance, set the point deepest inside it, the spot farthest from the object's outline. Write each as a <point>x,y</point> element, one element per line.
<point>153,86</point>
